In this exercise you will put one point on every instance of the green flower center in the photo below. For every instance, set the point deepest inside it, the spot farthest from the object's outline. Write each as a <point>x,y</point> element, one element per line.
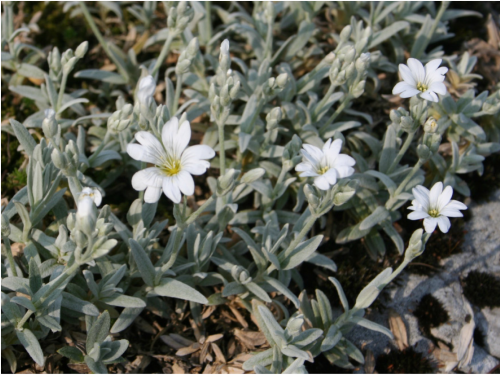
<point>171,167</point>
<point>323,170</point>
<point>421,87</point>
<point>433,213</point>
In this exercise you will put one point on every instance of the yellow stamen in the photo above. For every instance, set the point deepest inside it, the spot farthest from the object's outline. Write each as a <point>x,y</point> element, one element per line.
<point>323,170</point>
<point>171,167</point>
<point>433,213</point>
<point>421,86</point>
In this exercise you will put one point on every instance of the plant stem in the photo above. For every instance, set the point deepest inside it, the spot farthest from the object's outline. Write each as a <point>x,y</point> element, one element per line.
<point>121,69</point>
<point>401,152</point>
<point>324,100</point>
<point>222,152</point>
<point>164,52</point>
<point>199,211</point>
<point>62,88</point>
<point>339,110</point>
<point>10,257</point>
<point>390,203</point>
<point>178,89</point>
<point>208,25</point>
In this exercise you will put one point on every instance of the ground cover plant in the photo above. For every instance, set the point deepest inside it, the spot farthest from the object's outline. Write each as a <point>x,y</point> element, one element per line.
<point>183,163</point>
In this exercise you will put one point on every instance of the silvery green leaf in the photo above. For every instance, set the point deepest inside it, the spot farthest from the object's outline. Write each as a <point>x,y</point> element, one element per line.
<point>48,204</point>
<point>253,175</point>
<point>21,197</point>
<point>143,262</point>
<point>388,32</point>
<point>134,214</point>
<point>324,308</point>
<point>353,352</point>
<point>29,92</point>
<point>23,301</point>
<point>98,332</point>
<point>17,284</point>
<point>74,303</point>
<point>331,339</point>
<point>23,136</point>
<point>95,367</point>
<point>72,352</point>
<point>49,322</point>
<point>101,75</point>
<point>71,103</point>
<point>377,216</point>
<point>300,253</point>
<point>246,217</point>
<point>297,367</point>
<point>276,284</point>
<point>306,30</point>
<point>422,38</point>
<point>258,291</point>
<point>30,71</point>
<point>389,151</point>
<point>386,180</point>
<point>51,91</point>
<point>372,290</point>
<point>35,278</point>
<point>395,236</point>
<point>307,337</point>
<point>375,327</point>
<point>123,300</point>
<point>117,348</point>
<point>322,261</point>
<point>264,358</point>
<point>125,319</point>
<point>31,344</point>
<point>104,156</point>
<point>233,288</point>
<point>37,187</point>
<point>273,151</point>
<point>294,352</point>
<point>340,291</point>
<point>175,289</point>
<point>268,325</point>
<point>258,369</point>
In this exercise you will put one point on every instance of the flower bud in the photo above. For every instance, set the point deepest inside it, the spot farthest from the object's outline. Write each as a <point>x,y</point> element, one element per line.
<point>361,44</point>
<point>225,99</point>
<point>350,71</point>
<point>311,196</point>
<point>147,87</point>
<point>226,182</point>
<point>86,215</point>
<point>359,89</point>
<point>49,124</point>
<point>271,81</point>
<point>79,238</point>
<point>68,67</point>
<point>431,125</point>
<point>350,55</point>
<point>59,159</point>
<point>273,118</point>
<point>281,80</point>
<point>54,60</point>
<point>193,48</point>
<point>415,247</point>
<point>330,58</point>
<point>66,56</point>
<point>81,50</point>
<point>408,124</point>
<point>423,152</point>
<point>234,90</point>
<point>172,17</point>
<point>181,7</point>
<point>395,116</point>
<point>362,62</point>
<point>345,34</point>
<point>71,221</point>
<point>211,92</point>
<point>182,65</point>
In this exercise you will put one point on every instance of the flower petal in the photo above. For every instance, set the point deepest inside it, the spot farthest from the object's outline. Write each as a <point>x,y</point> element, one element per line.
<point>97,197</point>
<point>451,212</point>
<point>409,93</point>
<point>321,182</point>
<point>331,176</point>
<point>432,66</point>
<point>430,224</point>
<point>417,215</point>
<point>444,198</point>
<point>150,141</point>
<point>430,96</point>
<point>456,205</point>
<point>169,133</point>
<point>152,194</point>
<point>417,70</point>
<point>171,189</point>
<point>421,194</point>
<point>344,160</point>
<point>444,224</point>
<point>401,87</point>
<point>312,153</point>
<point>182,139</point>
<point>197,152</point>
<point>407,75</point>
<point>303,167</point>
<point>344,171</point>
<point>434,194</point>
<point>186,183</point>
<point>196,168</point>
<point>143,153</point>
<point>147,177</point>
<point>438,87</point>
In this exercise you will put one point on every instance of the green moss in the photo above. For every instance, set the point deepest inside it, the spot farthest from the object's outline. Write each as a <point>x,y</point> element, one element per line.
<point>482,289</point>
<point>404,362</point>
<point>430,313</point>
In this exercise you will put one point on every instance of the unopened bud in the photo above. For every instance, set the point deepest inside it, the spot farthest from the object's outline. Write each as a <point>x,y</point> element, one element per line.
<point>49,124</point>
<point>281,80</point>
<point>86,215</point>
<point>345,34</point>
<point>350,71</point>
<point>59,159</point>
<point>311,196</point>
<point>350,55</point>
<point>193,48</point>
<point>234,90</point>
<point>68,67</point>
<point>431,125</point>
<point>407,124</point>
<point>81,50</point>
<point>423,152</point>
<point>225,99</point>
<point>147,87</point>
<point>359,89</point>
<point>270,82</point>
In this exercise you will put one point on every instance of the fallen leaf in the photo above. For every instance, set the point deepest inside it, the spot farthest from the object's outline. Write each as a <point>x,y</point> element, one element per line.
<point>398,329</point>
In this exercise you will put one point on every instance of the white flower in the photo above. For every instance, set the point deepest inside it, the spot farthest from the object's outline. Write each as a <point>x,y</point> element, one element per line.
<point>435,206</point>
<point>49,113</point>
<point>419,80</point>
<point>174,163</point>
<point>147,87</point>
<point>86,214</point>
<point>91,193</point>
<point>325,165</point>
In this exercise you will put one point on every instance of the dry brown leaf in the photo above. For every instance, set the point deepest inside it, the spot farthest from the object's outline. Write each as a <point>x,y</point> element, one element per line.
<point>188,350</point>
<point>369,362</point>
<point>251,339</point>
<point>398,329</point>
<point>171,342</point>
<point>214,338</point>
<point>218,353</point>
<point>17,249</point>
<point>182,340</point>
<point>177,369</point>
<point>238,316</point>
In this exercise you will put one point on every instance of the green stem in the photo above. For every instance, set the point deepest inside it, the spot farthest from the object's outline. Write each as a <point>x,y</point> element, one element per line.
<point>164,52</point>
<point>10,257</point>
<point>390,203</point>
<point>178,89</point>
<point>339,110</point>
<point>62,88</point>
<point>401,152</point>
<point>325,99</point>
<point>222,152</point>
<point>102,42</point>
<point>208,25</point>
<point>199,211</point>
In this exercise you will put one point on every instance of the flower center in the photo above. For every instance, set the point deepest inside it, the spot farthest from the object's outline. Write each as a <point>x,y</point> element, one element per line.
<point>433,212</point>
<point>323,170</point>
<point>421,87</point>
<point>171,167</point>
